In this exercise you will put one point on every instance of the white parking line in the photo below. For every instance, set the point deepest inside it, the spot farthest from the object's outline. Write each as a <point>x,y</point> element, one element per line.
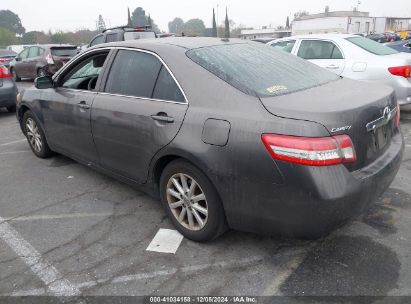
<point>13,152</point>
<point>148,275</point>
<point>54,281</point>
<point>12,142</point>
<point>55,216</point>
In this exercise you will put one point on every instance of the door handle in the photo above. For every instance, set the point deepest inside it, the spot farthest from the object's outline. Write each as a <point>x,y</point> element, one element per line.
<point>332,67</point>
<point>162,117</point>
<point>83,105</point>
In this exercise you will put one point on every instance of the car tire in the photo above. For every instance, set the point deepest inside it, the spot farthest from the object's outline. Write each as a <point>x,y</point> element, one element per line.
<point>41,72</point>
<point>11,109</point>
<point>207,220</point>
<point>16,78</point>
<point>35,136</point>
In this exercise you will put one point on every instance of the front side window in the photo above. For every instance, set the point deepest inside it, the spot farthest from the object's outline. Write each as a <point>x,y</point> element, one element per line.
<point>84,75</point>
<point>260,70</point>
<point>318,49</point>
<point>24,53</point>
<point>371,46</point>
<point>284,45</point>
<point>133,73</point>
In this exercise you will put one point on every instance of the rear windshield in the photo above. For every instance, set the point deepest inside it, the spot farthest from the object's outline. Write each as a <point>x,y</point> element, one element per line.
<point>64,51</point>
<point>372,46</point>
<point>260,70</point>
<point>138,35</point>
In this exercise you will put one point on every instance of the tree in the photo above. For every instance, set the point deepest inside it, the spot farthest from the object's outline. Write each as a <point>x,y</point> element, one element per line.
<point>138,17</point>
<point>176,26</point>
<point>287,23</point>
<point>129,22</point>
<point>214,33</point>
<point>101,25</point>
<point>300,14</point>
<point>11,22</point>
<point>59,37</point>
<point>149,22</point>
<point>7,37</point>
<point>194,27</point>
<point>35,37</point>
<point>227,25</point>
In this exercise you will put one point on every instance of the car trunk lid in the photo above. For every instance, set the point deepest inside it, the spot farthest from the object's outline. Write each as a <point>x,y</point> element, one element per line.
<point>344,107</point>
<point>61,55</point>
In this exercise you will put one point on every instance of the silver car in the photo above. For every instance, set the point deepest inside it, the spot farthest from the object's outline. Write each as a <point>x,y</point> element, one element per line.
<point>354,57</point>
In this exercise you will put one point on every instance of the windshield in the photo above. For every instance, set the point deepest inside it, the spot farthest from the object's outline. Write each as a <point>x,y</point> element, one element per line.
<point>138,35</point>
<point>260,70</point>
<point>372,46</point>
<point>64,51</point>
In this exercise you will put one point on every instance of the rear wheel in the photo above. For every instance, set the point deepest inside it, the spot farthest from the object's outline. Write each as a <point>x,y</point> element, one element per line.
<point>191,202</point>
<point>15,76</point>
<point>11,109</point>
<point>35,136</point>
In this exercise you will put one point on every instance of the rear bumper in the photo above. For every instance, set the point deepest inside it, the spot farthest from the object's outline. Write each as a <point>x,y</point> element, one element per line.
<point>313,200</point>
<point>402,88</point>
<point>8,93</point>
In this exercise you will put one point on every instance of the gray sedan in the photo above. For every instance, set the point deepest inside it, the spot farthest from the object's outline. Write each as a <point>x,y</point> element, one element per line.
<point>8,89</point>
<point>227,133</point>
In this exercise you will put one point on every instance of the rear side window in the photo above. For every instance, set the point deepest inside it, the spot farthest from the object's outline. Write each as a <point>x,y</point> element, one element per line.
<point>166,88</point>
<point>260,70</point>
<point>33,52</point>
<point>371,46</point>
<point>133,74</point>
<point>318,49</point>
<point>64,51</point>
<point>138,35</point>
<point>111,37</point>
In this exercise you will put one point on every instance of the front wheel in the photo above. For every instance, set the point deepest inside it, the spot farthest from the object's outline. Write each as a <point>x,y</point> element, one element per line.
<point>35,136</point>
<point>191,202</point>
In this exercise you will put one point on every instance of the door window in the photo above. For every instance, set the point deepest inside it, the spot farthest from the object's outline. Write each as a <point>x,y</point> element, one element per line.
<point>317,49</point>
<point>98,40</point>
<point>84,75</point>
<point>33,52</point>
<point>166,88</point>
<point>111,37</point>
<point>284,45</point>
<point>23,54</point>
<point>133,73</point>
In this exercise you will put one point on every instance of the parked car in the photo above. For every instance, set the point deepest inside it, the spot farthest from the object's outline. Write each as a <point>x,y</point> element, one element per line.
<point>8,90</point>
<point>41,60</point>
<point>401,46</point>
<point>384,37</point>
<point>122,33</point>
<point>263,40</point>
<point>6,56</point>
<point>354,57</point>
<point>227,133</point>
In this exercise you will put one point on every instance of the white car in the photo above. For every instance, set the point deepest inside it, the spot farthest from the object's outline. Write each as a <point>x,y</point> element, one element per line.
<point>354,57</point>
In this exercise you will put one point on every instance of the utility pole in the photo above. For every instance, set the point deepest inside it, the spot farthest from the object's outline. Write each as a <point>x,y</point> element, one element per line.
<point>217,18</point>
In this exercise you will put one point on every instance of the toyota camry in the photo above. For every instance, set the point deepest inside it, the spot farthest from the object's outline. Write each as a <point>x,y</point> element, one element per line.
<point>227,133</point>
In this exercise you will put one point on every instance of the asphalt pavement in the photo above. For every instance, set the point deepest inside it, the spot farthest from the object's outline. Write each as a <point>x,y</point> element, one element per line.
<point>68,230</point>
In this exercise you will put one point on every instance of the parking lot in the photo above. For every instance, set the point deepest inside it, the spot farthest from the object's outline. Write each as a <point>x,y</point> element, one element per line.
<point>68,230</point>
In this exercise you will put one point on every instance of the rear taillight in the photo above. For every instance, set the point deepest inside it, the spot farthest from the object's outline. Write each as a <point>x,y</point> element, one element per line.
<point>404,71</point>
<point>5,72</point>
<point>397,116</point>
<point>310,151</point>
<point>3,59</point>
<point>49,59</point>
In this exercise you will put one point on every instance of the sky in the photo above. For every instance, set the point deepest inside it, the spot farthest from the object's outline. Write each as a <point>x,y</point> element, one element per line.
<point>44,15</point>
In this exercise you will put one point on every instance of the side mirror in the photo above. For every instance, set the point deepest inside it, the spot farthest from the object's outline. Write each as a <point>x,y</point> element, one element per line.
<point>44,82</point>
<point>18,58</point>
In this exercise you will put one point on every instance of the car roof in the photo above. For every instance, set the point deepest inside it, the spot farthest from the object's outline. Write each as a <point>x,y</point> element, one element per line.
<point>321,36</point>
<point>183,42</point>
<point>52,45</point>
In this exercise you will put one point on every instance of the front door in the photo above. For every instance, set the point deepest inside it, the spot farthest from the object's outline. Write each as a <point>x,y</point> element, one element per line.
<point>325,54</point>
<point>67,108</point>
<point>20,65</point>
<point>140,111</point>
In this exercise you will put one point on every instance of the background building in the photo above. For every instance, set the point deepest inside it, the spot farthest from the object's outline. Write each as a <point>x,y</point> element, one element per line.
<point>265,33</point>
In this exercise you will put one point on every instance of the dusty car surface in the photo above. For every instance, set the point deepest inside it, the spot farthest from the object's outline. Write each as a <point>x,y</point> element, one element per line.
<point>41,60</point>
<point>227,133</point>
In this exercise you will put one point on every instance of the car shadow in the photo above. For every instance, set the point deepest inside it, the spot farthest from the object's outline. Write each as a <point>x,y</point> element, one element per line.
<point>5,113</point>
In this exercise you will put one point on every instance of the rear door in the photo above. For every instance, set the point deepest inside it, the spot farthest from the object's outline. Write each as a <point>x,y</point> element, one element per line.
<point>323,53</point>
<point>33,58</point>
<point>140,111</point>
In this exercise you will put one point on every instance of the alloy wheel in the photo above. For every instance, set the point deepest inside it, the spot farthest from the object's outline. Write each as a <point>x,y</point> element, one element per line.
<point>187,201</point>
<point>33,135</point>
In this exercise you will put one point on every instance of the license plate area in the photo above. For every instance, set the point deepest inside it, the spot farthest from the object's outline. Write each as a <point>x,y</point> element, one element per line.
<point>382,136</point>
